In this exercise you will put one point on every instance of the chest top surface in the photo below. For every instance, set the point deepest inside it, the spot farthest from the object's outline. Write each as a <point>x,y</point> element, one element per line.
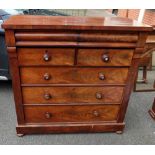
<point>73,74</point>
<point>74,23</point>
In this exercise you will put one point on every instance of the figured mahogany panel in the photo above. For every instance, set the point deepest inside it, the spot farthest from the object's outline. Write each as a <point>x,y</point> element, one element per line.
<point>63,44</point>
<point>46,56</point>
<point>73,74</point>
<point>64,75</point>
<point>96,36</point>
<point>49,95</point>
<point>46,114</point>
<point>108,37</point>
<point>46,36</point>
<point>104,57</point>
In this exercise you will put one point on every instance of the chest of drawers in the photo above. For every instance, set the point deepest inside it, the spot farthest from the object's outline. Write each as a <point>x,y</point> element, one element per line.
<point>73,74</point>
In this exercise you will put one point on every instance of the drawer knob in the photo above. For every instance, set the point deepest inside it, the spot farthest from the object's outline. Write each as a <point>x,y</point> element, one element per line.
<point>96,113</point>
<point>99,96</point>
<point>47,76</point>
<point>47,57</point>
<point>48,115</point>
<point>101,76</point>
<point>105,58</point>
<point>47,96</point>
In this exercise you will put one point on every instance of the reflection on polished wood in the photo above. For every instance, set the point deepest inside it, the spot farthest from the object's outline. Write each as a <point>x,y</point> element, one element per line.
<point>72,23</point>
<point>73,74</point>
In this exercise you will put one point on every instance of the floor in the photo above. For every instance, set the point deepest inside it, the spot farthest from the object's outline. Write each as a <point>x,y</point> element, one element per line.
<point>150,80</point>
<point>140,128</point>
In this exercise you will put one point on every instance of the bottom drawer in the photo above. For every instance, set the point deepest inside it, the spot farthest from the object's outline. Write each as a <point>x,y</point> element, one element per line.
<point>68,113</point>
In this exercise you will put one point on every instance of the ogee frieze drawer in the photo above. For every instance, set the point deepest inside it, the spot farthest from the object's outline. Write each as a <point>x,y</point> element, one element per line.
<point>65,75</point>
<point>104,57</point>
<point>49,95</point>
<point>73,74</point>
<point>84,113</point>
<point>46,56</point>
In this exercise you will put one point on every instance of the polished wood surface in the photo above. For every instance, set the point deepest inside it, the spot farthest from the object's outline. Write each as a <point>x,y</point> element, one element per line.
<point>76,75</point>
<point>15,74</point>
<point>75,44</point>
<point>104,57</point>
<point>46,56</point>
<point>36,95</point>
<point>80,23</point>
<point>72,35</point>
<point>73,74</point>
<point>65,38</point>
<point>44,114</point>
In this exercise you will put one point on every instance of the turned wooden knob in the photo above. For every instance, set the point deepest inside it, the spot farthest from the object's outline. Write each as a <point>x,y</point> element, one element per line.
<point>105,58</point>
<point>47,96</point>
<point>48,115</point>
<point>46,57</point>
<point>96,113</point>
<point>101,76</point>
<point>47,76</point>
<point>99,96</point>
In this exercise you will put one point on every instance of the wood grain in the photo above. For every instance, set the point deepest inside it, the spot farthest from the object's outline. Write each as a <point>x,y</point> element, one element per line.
<point>35,95</point>
<point>93,57</point>
<point>75,36</point>
<point>74,23</point>
<point>35,56</point>
<point>74,44</point>
<point>92,127</point>
<point>64,75</point>
<point>10,38</point>
<point>73,74</point>
<point>70,113</point>
<point>16,84</point>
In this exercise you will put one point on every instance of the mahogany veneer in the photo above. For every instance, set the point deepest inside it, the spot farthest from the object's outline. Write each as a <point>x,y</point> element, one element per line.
<point>73,74</point>
<point>78,94</point>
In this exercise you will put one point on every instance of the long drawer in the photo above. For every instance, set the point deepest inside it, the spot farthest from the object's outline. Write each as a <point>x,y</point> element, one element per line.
<point>104,57</point>
<point>85,113</point>
<point>64,75</point>
<point>58,95</point>
<point>46,56</point>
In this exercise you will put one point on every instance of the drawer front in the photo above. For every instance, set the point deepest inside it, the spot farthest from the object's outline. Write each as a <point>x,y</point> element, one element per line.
<point>46,56</point>
<point>104,57</point>
<point>47,75</point>
<point>84,113</point>
<point>44,95</point>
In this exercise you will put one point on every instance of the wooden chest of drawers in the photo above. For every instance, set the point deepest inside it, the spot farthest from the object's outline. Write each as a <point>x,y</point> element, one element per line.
<point>73,74</point>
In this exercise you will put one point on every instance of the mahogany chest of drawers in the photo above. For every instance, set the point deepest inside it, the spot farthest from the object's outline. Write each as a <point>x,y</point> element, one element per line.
<point>73,74</point>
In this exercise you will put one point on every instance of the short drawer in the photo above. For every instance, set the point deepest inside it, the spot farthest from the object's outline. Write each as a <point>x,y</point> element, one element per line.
<point>63,75</point>
<point>84,113</point>
<point>58,95</point>
<point>46,56</point>
<point>104,57</point>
